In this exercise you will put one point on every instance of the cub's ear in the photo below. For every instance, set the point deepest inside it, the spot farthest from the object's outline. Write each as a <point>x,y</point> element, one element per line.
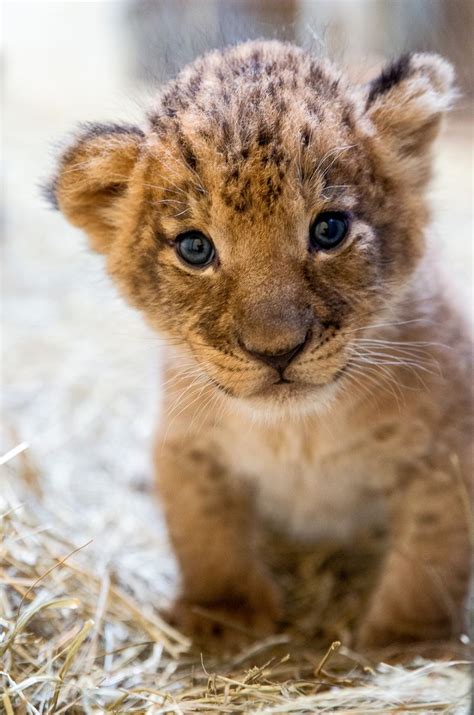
<point>93,175</point>
<point>407,100</point>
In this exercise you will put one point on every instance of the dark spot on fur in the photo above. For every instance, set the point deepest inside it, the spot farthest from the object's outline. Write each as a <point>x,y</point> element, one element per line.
<point>313,107</point>
<point>305,136</point>
<point>406,475</point>
<point>391,75</point>
<point>243,200</point>
<point>347,118</point>
<point>315,75</point>
<point>263,137</point>
<point>427,518</point>
<point>226,133</point>
<point>277,156</point>
<point>256,63</point>
<point>384,432</point>
<point>159,123</point>
<point>188,154</point>
<point>91,129</point>
<point>205,134</point>
<point>194,85</point>
<point>113,190</point>
<point>234,174</point>
<point>197,455</point>
<point>273,190</point>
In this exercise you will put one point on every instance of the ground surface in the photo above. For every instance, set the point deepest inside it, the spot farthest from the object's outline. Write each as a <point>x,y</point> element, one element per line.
<point>81,387</point>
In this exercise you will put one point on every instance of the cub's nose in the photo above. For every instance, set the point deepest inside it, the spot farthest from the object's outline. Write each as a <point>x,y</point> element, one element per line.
<point>279,361</point>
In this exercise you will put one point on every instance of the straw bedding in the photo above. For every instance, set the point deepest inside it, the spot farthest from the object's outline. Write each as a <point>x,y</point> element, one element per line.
<point>77,636</point>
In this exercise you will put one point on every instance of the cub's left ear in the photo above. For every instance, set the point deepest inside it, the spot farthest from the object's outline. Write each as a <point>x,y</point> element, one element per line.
<point>92,177</point>
<point>407,100</point>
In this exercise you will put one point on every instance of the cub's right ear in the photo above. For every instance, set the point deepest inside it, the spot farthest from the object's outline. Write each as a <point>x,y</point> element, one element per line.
<point>93,175</point>
<point>407,100</point>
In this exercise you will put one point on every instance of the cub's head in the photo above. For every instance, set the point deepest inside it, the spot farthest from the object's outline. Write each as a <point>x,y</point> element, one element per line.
<point>269,212</point>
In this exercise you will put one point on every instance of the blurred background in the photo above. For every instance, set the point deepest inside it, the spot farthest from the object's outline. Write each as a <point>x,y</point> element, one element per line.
<point>80,373</point>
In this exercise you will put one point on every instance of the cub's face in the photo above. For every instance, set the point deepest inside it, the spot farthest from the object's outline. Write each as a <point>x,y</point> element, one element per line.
<point>269,215</point>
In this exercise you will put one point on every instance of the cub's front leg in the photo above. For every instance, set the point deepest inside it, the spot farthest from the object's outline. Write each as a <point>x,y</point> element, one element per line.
<point>424,584</point>
<point>226,596</point>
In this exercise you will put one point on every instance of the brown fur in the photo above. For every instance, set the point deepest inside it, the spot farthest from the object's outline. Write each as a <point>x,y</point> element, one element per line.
<point>248,146</point>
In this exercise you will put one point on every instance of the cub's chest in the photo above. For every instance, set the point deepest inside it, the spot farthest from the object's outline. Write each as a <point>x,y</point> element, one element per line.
<point>321,480</point>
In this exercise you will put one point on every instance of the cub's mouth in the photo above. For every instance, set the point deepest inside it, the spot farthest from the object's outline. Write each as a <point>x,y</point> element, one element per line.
<point>291,388</point>
<point>287,392</point>
<point>285,396</point>
<point>290,399</point>
<point>296,379</point>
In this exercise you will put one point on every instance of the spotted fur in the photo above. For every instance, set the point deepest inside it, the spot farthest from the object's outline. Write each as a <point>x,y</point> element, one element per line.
<point>390,76</point>
<point>248,146</point>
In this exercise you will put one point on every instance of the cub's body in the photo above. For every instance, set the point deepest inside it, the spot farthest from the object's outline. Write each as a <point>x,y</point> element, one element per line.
<point>270,223</point>
<point>330,474</point>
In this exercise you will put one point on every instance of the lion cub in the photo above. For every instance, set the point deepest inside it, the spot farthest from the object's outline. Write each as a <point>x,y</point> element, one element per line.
<point>270,221</point>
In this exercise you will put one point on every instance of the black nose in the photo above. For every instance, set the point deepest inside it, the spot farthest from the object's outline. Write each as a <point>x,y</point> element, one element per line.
<point>279,361</point>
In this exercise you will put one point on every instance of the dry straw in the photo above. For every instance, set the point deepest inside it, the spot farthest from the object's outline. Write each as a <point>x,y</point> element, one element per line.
<point>76,639</point>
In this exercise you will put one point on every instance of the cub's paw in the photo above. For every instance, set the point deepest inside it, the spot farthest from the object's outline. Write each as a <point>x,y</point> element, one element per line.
<point>230,623</point>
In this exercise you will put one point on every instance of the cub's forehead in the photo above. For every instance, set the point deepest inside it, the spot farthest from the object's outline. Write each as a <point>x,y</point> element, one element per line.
<point>253,120</point>
<point>255,91</point>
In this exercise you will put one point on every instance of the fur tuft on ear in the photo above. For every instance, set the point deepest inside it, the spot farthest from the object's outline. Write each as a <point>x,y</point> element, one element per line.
<point>407,100</point>
<point>92,175</point>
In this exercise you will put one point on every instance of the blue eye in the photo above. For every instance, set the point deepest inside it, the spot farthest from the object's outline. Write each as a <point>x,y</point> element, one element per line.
<point>195,249</point>
<point>329,230</point>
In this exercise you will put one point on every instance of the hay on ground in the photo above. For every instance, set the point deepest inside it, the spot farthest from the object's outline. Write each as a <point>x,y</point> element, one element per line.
<point>78,639</point>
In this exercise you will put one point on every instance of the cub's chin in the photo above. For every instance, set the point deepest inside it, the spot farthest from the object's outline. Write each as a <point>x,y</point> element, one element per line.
<point>282,400</point>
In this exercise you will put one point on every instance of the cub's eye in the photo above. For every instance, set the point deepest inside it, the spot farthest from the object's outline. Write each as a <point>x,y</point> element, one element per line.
<point>329,230</point>
<point>194,248</point>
